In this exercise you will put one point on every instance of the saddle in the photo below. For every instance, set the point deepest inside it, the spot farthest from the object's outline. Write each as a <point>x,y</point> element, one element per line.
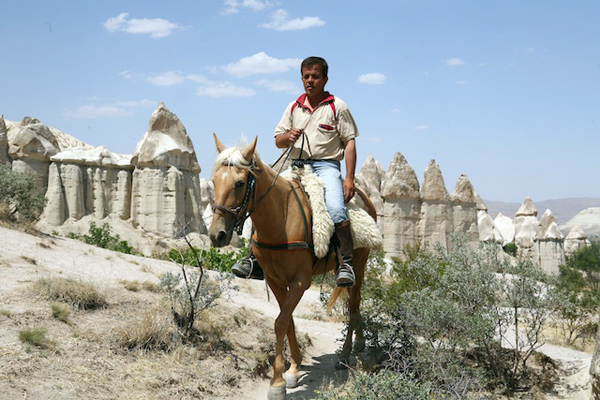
<point>365,233</point>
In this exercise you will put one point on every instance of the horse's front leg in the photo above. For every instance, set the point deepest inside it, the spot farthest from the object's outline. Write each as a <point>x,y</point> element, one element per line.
<point>288,300</point>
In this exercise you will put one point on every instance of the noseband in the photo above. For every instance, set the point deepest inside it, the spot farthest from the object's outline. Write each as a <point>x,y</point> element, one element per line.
<point>241,212</point>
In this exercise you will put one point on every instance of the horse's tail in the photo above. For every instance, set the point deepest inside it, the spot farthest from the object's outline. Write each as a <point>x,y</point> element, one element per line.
<point>334,296</point>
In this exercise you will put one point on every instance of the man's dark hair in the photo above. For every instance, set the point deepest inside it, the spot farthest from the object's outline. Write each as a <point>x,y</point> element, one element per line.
<point>310,61</point>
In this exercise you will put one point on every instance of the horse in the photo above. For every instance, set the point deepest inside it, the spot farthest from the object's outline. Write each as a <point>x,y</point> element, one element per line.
<point>280,212</point>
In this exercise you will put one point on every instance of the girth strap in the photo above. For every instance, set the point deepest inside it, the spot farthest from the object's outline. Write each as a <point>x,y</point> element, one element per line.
<point>289,245</point>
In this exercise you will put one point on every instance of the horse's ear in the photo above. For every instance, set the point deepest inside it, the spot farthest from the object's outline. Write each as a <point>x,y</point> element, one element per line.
<point>220,146</point>
<point>248,152</point>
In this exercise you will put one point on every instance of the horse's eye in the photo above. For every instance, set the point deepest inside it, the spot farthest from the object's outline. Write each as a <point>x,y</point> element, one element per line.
<point>240,184</point>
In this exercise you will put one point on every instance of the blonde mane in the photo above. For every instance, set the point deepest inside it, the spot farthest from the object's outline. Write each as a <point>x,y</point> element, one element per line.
<point>232,157</point>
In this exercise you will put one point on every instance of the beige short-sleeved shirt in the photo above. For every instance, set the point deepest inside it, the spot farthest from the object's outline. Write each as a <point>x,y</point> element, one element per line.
<point>328,128</point>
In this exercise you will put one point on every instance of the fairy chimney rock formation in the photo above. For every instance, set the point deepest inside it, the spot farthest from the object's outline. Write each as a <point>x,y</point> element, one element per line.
<point>436,208</point>
<point>550,244</point>
<point>31,149</point>
<point>526,226</point>
<point>464,208</point>
<point>488,232</point>
<point>165,183</point>
<point>506,227</point>
<point>576,239</point>
<point>370,179</point>
<point>402,206</point>
<point>88,180</point>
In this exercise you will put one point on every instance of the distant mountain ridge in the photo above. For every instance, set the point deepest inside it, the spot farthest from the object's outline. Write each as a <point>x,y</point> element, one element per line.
<point>563,209</point>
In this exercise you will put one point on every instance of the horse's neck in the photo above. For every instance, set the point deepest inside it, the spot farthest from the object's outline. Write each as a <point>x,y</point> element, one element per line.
<point>272,196</point>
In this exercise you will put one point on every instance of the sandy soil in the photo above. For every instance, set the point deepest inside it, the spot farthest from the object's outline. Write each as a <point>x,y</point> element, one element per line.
<point>84,362</point>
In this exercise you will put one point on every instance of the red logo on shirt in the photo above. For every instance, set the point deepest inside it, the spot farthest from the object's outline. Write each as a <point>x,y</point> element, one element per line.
<point>326,127</point>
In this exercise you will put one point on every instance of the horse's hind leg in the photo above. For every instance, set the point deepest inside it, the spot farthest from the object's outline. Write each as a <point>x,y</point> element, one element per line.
<point>355,320</point>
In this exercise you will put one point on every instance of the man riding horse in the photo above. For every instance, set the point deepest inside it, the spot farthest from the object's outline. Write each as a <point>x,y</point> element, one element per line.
<point>321,131</point>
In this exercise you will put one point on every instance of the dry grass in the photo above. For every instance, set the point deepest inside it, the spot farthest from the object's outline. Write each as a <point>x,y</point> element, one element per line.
<point>151,331</point>
<point>61,312</point>
<point>35,337</point>
<point>6,313</point>
<point>79,295</point>
<point>135,286</point>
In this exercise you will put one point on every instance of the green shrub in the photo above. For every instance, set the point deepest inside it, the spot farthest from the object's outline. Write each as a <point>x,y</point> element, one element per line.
<point>384,385</point>
<point>211,259</point>
<point>20,194</point>
<point>102,237</point>
<point>510,248</point>
<point>37,337</point>
<point>438,313</point>
<point>587,259</point>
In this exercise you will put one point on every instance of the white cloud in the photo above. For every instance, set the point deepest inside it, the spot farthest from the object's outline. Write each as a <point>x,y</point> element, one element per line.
<point>374,78</point>
<point>233,6</point>
<point>197,78</point>
<point>126,74</point>
<point>453,62</point>
<point>115,110</point>
<point>169,78</point>
<point>461,82</point>
<point>422,127</point>
<point>223,89</point>
<point>280,86</point>
<point>156,28</point>
<point>397,111</point>
<point>261,63</point>
<point>280,22</point>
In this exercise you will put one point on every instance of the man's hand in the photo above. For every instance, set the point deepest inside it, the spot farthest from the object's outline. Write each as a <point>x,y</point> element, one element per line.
<point>293,135</point>
<point>349,189</point>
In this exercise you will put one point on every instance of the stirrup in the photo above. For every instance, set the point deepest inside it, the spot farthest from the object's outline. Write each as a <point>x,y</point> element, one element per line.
<point>248,268</point>
<point>345,277</point>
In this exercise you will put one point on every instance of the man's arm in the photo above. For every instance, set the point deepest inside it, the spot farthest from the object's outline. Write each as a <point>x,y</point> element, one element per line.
<point>350,156</point>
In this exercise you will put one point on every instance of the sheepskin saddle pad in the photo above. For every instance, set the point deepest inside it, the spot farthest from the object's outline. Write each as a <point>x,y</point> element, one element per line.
<point>364,229</point>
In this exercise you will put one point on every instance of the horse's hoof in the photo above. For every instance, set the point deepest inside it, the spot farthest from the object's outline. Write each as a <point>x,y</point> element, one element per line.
<point>291,381</point>
<point>342,365</point>
<point>276,393</point>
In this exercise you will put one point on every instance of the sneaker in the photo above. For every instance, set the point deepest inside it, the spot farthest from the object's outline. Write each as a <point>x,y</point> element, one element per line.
<point>248,268</point>
<point>344,277</point>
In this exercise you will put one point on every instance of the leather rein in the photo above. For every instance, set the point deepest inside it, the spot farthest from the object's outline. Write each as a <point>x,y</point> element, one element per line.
<point>242,212</point>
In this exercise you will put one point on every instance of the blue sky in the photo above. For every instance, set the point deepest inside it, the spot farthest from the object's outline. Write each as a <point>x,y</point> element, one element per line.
<point>504,91</point>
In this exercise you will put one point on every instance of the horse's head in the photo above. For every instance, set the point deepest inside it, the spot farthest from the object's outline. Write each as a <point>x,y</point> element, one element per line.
<point>233,179</point>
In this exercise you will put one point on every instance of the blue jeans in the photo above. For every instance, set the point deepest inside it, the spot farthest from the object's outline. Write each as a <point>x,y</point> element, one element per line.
<point>330,173</point>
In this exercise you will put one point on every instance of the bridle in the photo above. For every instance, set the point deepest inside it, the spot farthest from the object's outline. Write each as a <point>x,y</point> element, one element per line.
<point>241,212</point>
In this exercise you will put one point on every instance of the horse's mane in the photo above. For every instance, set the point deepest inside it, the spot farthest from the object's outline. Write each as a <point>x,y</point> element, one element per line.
<point>232,157</point>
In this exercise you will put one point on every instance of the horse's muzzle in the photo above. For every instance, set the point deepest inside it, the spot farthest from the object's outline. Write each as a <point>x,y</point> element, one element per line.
<point>219,236</point>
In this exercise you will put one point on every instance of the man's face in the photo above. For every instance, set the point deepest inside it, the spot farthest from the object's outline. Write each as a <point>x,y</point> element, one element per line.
<point>312,78</point>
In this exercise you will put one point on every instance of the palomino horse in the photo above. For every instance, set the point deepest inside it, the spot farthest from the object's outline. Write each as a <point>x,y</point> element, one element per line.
<point>282,241</point>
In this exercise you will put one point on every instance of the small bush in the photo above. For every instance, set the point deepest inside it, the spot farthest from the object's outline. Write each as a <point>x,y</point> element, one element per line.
<point>20,195</point>
<point>79,295</point>
<point>150,332</point>
<point>35,337</point>
<point>384,385</point>
<point>510,248</point>
<point>61,312</point>
<point>102,237</point>
<point>211,258</point>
